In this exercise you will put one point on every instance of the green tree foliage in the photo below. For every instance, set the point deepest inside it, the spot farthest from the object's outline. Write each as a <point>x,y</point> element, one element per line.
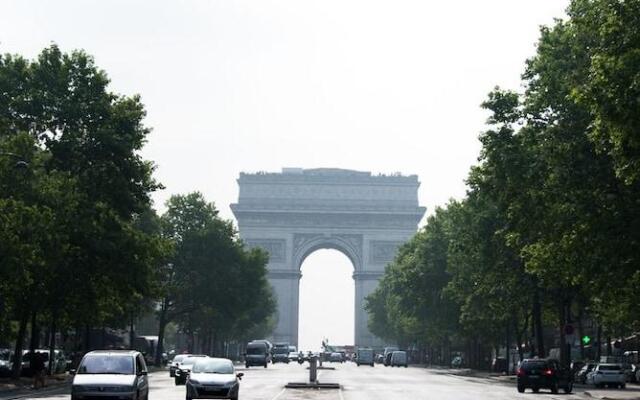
<point>552,216</point>
<point>212,286</point>
<point>73,185</point>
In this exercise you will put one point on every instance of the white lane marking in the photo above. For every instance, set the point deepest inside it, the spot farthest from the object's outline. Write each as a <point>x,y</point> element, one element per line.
<point>279,394</point>
<point>340,394</point>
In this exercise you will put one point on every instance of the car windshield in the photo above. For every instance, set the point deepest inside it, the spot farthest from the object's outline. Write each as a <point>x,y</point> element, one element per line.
<point>4,355</point>
<point>190,360</point>
<point>609,368</point>
<point>213,366</point>
<point>255,350</point>
<point>178,358</point>
<point>107,364</point>
<point>531,365</point>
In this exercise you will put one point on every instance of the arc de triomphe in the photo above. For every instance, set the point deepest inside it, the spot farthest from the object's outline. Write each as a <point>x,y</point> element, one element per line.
<point>296,212</point>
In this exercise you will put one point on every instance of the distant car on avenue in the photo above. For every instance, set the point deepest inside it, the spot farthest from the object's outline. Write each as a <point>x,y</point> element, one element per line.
<point>175,363</point>
<point>213,378</point>
<point>111,374</point>
<point>336,357</point>
<point>184,369</point>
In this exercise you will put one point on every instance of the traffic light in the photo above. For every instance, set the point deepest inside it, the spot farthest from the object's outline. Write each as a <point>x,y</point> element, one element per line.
<point>586,339</point>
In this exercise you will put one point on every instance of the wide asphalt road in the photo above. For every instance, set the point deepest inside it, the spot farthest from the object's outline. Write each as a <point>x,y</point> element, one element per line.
<point>360,383</point>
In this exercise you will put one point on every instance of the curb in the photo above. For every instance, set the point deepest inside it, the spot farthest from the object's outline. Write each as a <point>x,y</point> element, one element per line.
<point>25,392</point>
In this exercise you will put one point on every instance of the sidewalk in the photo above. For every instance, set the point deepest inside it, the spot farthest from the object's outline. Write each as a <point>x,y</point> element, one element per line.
<point>12,389</point>
<point>631,392</point>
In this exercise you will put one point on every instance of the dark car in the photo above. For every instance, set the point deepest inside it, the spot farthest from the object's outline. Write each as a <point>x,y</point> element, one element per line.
<point>184,369</point>
<point>539,374</point>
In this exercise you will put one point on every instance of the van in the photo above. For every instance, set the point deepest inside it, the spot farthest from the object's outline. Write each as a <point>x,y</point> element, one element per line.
<point>364,356</point>
<point>399,359</point>
<point>257,354</point>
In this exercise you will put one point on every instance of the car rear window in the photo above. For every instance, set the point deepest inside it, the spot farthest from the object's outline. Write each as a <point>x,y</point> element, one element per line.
<point>609,368</point>
<point>531,365</point>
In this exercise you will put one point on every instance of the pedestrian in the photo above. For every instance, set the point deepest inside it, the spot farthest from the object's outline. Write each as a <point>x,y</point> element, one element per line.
<point>37,366</point>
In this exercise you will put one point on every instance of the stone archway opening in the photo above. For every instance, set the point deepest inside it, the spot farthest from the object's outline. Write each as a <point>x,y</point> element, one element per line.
<point>327,300</point>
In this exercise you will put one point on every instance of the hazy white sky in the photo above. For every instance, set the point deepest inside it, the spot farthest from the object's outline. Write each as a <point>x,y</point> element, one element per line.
<point>235,86</point>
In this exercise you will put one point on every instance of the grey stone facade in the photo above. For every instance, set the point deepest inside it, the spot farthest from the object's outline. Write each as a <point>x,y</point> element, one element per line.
<point>296,212</point>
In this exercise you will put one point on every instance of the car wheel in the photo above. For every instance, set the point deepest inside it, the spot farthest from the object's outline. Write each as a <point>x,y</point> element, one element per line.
<point>520,389</point>
<point>554,388</point>
<point>622,386</point>
<point>569,388</point>
<point>535,390</point>
<point>265,365</point>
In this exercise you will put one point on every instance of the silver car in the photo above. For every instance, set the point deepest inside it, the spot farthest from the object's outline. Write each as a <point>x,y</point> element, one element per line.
<point>213,378</point>
<point>108,374</point>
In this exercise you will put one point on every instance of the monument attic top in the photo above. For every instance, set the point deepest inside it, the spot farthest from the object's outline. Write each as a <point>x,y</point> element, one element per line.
<point>327,190</point>
<point>327,175</point>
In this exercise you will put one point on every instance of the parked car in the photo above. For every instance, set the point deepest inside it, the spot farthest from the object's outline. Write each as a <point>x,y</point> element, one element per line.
<point>611,375</point>
<point>456,362</point>
<point>120,372</point>
<point>293,356</point>
<point>60,363</point>
<point>213,378</point>
<point>387,359</point>
<point>539,374</point>
<point>581,376</point>
<point>257,353</point>
<point>364,356</point>
<point>175,363</point>
<point>336,357</point>
<point>380,358</point>
<point>6,362</point>
<point>399,359</point>
<point>184,369</point>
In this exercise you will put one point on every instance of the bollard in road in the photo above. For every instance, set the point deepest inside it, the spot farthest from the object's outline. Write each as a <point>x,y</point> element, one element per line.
<point>313,369</point>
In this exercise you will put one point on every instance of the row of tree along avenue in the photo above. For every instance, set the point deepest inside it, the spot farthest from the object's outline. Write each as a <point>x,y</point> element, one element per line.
<point>542,256</point>
<point>80,246</point>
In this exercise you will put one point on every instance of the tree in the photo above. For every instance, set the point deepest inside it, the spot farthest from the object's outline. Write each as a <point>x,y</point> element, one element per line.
<point>82,188</point>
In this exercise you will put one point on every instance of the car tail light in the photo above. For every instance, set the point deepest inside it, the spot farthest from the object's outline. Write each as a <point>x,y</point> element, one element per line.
<point>548,372</point>
<point>520,372</point>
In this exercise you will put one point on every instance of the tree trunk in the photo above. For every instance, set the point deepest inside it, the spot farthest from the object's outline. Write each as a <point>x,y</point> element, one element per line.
<point>34,343</point>
<point>52,344</point>
<point>87,338</point>
<point>537,322</point>
<point>17,351</point>
<point>508,348</point>
<point>132,332</point>
<point>564,357</point>
<point>581,333</point>
<point>599,341</point>
<point>162,324</point>
<point>609,349</point>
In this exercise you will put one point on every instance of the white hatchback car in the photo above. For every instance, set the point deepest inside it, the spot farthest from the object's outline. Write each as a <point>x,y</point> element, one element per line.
<point>607,375</point>
<point>213,378</point>
<point>111,374</point>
